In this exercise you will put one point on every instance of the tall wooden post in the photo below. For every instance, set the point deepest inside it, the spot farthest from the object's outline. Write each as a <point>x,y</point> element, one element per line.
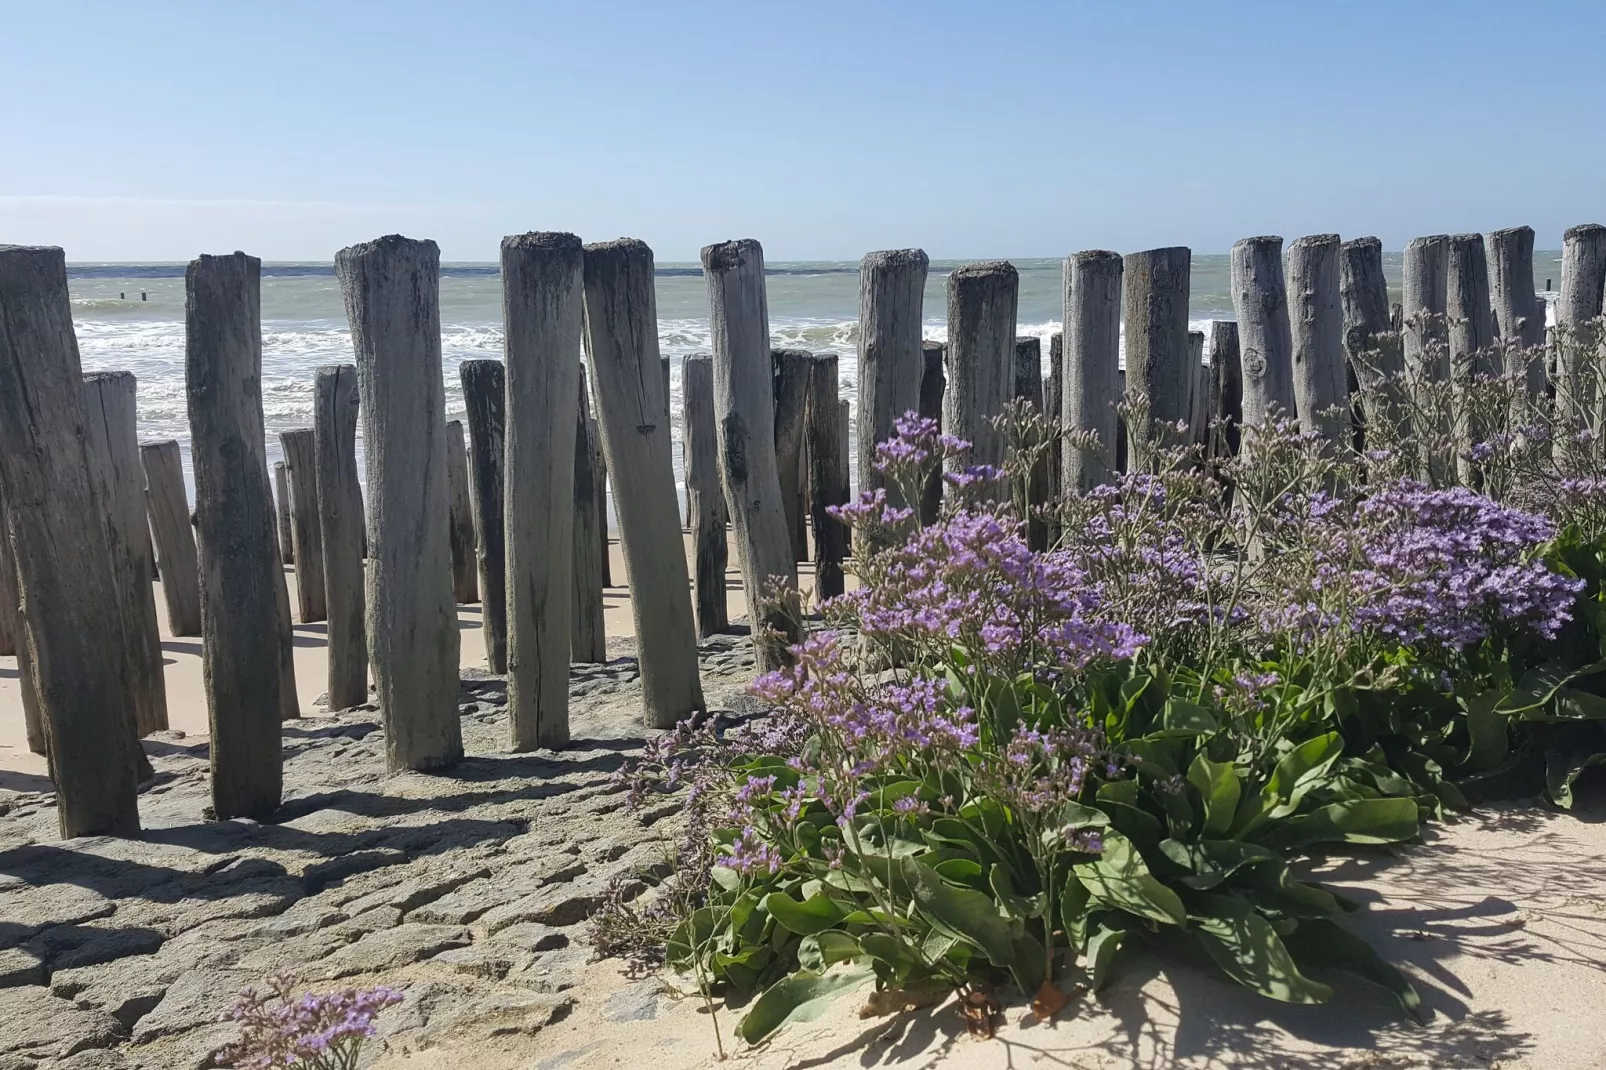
<point>590,633</point>
<point>1265,337</point>
<point>340,522</point>
<point>465,567</point>
<point>169,512</point>
<point>791,386</point>
<point>1226,389</point>
<point>1374,352</point>
<point>485,405</point>
<point>981,357</point>
<point>828,478</point>
<point>1519,312</point>
<point>892,286</point>
<point>1199,400</point>
<point>1156,332</point>
<point>706,497</point>
<point>744,410</point>
<point>1091,384</point>
<point>621,316</point>
<point>933,384</point>
<point>1316,321</point>
<point>1028,387</point>
<point>1583,269</point>
<point>242,646</point>
<point>16,643</point>
<point>1423,306</point>
<point>1471,334</point>
<point>542,276</point>
<point>301,465</point>
<point>391,288</point>
<point>281,516</point>
<point>119,483</point>
<point>1053,409</point>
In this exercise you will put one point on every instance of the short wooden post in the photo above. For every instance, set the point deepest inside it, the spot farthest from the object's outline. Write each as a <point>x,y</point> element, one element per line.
<point>791,388</point>
<point>602,494</point>
<point>15,633</point>
<point>744,410</point>
<point>1519,312</point>
<point>1053,409</point>
<point>1472,352</point>
<point>391,288</point>
<point>892,287</point>
<point>485,407</point>
<point>340,522</point>
<point>465,566</point>
<point>281,515</point>
<point>1583,269</point>
<point>1316,321</point>
<point>845,411</point>
<point>113,450</point>
<point>828,478</point>
<point>1156,338</point>
<point>933,383</point>
<point>621,317</point>
<point>542,300</point>
<point>1199,399</point>
<point>1374,351</point>
<point>301,466</point>
<point>710,551</point>
<point>169,512</point>
<point>981,357</point>
<point>1265,337</point>
<point>590,634</point>
<point>1226,389</point>
<point>1091,384</point>
<point>1423,306</point>
<point>242,646</point>
<point>1028,387</point>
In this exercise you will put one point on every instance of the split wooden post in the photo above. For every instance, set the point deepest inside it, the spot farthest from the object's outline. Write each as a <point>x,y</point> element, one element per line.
<point>1583,269</point>
<point>1471,335</point>
<point>1373,349</point>
<point>1028,387</point>
<point>933,383</point>
<point>1519,313</point>
<point>33,720</point>
<point>243,647</point>
<point>169,512</point>
<point>1091,385</point>
<point>892,287</point>
<point>982,301</point>
<point>301,465</point>
<point>1053,409</point>
<point>1265,337</point>
<point>111,410</point>
<point>1156,337</point>
<point>1316,323</point>
<point>1226,389</point>
<point>391,288</point>
<point>340,522</point>
<point>706,498</point>
<point>744,410</point>
<point>791,386</point>
<point>485,407</point>
<point>621,333</point>
<point>589,631</point>
<point>542,306</point>
<point>465,567</point>
<point>10,602</point>
<point>1423,307</point>
<point>1199,400</point>
<point>281,516</point>
<point>828,478</point>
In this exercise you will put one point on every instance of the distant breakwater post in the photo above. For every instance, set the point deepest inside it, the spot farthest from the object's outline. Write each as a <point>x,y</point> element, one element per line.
<point>766,437</point>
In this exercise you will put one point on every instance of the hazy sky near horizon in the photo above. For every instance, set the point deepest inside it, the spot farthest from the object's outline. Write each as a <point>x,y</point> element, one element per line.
<point>162,129</point>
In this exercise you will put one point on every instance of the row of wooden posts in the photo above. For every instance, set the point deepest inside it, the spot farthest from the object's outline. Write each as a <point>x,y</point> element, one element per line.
<point>523,526</point>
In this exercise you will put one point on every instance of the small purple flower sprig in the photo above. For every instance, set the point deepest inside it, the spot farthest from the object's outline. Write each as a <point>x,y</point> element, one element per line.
<point>312,1030</point>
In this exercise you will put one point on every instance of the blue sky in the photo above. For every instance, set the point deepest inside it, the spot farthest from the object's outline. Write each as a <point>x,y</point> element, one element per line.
<point>158,129</point>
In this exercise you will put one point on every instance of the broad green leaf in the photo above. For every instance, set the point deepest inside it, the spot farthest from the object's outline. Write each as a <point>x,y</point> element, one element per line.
<point>1323,943</point>
<point>1365,821</point>
<point>801,997</point>
<point>1575,705</point>
<point>1183,720</point>
<point>1487,727</point>
<point>691,937</point>
<point>1120,878</point>
<point>960,870</point>
<point>891,950</point>
<point>814,915</point>
<point>819,950</point>
<point>1028,964</point>
<point>1074,899</point>
<point>1016,907</point>
<point>1217,784</point>
<point>962,912</point>
<point>1277,889</point>
<point>1562,770</point>
<point>1299,769</point>
<point>1101,949</point>
<point>1248,949</point>
<point>1213,861</point>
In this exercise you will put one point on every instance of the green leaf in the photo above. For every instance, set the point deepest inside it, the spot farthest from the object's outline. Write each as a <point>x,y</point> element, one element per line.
<point>1213,861</point>
<point>1120,878</point>
<point>1278,890</point>
<point>1299,770</point>
<point>815,915</point>
<point>1561,771</point>
<point>1074,899</point>
<point>801,997</point>
<point>1183,720</point>
<point>1027,964</point>
<point>962,912</point>
<point>960,870</point>
<point>1323,943</point>
<point>1248,950</point>
<point>1217,784</point>
<point>1487,727</point>
<point>819,950</point>
<point>1015,906</point>
<point>1575,705</point>
<point>1360,821</point>
<point>1101,949</point>
<point>891,950</point>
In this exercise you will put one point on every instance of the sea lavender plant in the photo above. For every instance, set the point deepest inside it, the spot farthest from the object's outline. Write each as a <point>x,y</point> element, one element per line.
<point>318,1031</point>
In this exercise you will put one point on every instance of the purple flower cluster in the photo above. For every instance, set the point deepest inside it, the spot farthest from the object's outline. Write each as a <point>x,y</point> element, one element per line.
<point>1037,771</point>
<point>318,1031</point>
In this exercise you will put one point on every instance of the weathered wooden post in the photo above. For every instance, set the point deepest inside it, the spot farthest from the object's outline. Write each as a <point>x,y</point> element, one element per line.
<point>485,405</point>
<point>1156,335</point>
<point>791,386</point>
<point>465,581</point>
<point>1028,387</point>
<point>301,464</point>
<point>1373,350</point>
<point>710,552</point>
<point>621,317</point>
<point>1091,385</point>
<point>845,410</point>
<point>169,512</point>
<point>1053,408</point>
<point>1583,267</point>
<point>1199,398</point>
<point>391,288</point>
<point>340,522</point>
<point>111,411</point>
<point>242,647</point>
<point>1265,337</point>
<point>1226,389</point>
<point>828,478</point>
<point>1316,322</point>
<point>744,409</point>
<point>14,633</point>
<point>933,383</point>
<point>281,515</point>
<point>589,631</point>
<point>1471,335</point>
<point>1519,313</point>
<point>892,286</point>
<point>542,302</point>
<point>10,601</point>
<point>981,357</point>
<point>1423,306</point>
